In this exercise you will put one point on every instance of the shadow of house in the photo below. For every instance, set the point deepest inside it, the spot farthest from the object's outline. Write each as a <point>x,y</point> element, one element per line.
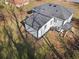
<point>75,31</point>
<point>75,22</point>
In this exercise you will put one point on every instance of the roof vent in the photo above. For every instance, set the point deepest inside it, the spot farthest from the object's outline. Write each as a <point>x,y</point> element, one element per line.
<point>43,9</point>
<point>56,10</point>
<point>54,6</point>
<point>50,4</point>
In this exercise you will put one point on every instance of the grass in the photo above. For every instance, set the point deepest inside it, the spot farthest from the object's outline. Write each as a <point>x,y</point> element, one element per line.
<point>10,23</point>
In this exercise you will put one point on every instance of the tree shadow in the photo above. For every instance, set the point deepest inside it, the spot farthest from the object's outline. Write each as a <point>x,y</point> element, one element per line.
<point>24,49</point>
<point>75,46</point>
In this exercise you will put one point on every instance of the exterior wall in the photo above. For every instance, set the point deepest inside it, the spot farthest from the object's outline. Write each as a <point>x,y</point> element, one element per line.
<point>54,22</point>
<point>50,24</point>
<point>58,22</point>
<point>31,30</point>
<point>43,30</point>
<point>68,20</point>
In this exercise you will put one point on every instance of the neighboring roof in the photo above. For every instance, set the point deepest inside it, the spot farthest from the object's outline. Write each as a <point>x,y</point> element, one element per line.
<point>36,20</point>
<point>18,3</point>
<point>54,10</point>
<point>73,1</point>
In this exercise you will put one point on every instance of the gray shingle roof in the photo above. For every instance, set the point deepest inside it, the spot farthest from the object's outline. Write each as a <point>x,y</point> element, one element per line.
<point>54,10</point>
<point>44,13</point>
<point>36,20</point>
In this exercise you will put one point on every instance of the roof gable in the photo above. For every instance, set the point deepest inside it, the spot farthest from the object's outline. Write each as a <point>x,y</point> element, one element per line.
<point>36,21</point>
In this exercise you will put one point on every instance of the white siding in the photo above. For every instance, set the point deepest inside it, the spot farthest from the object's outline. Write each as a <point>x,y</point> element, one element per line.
<point>54,22</point>
<point>31,30</point>
<point>68,20</point>
<point>48,25</point>
<point>43,30</point>
<point>58,22</point>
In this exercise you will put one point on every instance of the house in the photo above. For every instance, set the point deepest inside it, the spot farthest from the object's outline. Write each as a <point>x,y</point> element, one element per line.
<point>18,3</point>
<point>48,16</point>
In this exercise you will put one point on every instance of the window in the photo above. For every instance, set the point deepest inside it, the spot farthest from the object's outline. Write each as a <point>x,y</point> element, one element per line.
<point>55,20</point>
<point>45,26</point>
<point>41,32</point>
<point>51,23</point>
<point>56,10</point>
